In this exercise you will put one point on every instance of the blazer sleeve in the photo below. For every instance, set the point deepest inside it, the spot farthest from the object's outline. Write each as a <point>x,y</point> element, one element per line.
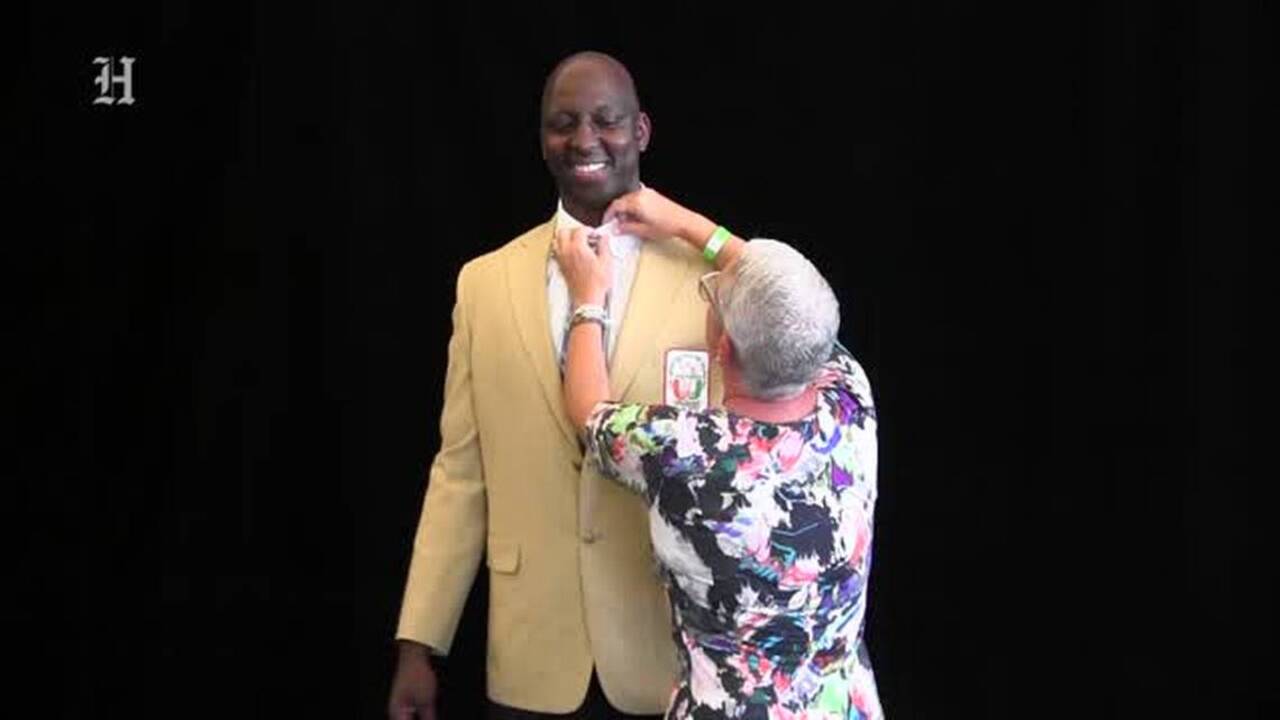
<point>449,543</point>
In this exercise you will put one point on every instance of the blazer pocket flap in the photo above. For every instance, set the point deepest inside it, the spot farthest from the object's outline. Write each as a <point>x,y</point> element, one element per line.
<point>503,556</point>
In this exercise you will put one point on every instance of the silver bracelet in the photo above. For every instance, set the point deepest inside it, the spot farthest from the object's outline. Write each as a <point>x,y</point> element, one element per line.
<point>589,313</point>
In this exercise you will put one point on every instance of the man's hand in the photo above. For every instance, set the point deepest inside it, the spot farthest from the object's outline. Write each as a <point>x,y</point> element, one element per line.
<point>587,271</point>
<point>647,214</point>
<point>413,691</point>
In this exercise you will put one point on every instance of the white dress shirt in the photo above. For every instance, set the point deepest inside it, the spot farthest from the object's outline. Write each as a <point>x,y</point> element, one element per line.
<point>626,256</point>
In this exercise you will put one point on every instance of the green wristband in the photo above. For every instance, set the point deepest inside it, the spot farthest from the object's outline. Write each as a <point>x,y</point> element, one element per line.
<point>715,243</point>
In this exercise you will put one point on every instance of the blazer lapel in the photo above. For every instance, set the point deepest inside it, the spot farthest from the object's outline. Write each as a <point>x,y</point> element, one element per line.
<point>660,276</point>
<point>527,283</point>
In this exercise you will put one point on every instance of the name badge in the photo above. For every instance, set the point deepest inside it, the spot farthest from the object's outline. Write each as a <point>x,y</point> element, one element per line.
<point>687,379</point>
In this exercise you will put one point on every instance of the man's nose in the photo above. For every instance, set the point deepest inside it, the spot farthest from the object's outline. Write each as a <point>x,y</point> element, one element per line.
<point>584,136</point>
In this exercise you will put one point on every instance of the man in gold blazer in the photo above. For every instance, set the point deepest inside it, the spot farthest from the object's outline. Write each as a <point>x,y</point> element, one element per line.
<point>577,619</point>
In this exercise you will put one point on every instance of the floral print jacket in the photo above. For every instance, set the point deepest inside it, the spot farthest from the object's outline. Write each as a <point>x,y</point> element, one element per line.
<point>762,532</point>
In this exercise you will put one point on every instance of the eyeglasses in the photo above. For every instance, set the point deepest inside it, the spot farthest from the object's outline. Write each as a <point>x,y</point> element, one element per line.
<point>707,285</point>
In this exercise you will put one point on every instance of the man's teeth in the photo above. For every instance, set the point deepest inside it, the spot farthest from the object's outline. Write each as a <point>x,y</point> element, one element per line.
<point>589,167</point>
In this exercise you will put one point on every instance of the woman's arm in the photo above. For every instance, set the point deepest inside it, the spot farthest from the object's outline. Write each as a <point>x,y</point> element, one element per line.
<point>586,378</point>
<point>649,215</point>
<point>588,273</point>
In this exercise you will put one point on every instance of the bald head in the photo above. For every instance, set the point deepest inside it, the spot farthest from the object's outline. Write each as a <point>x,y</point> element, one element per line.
<point>597,62</point>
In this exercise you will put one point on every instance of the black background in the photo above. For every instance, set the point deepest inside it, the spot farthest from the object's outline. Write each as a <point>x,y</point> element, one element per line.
<point>230,302</point>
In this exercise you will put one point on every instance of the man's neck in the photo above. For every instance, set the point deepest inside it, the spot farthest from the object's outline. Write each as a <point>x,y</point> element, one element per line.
<point>592,216</point>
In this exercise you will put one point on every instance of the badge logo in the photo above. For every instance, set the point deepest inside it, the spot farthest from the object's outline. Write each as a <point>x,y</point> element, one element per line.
<point>687,379</point>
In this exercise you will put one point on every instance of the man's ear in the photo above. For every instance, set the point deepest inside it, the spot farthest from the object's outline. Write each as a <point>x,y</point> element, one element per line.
<point>644,130</point>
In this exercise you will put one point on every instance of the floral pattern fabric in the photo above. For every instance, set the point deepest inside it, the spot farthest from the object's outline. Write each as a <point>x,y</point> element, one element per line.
<point>762,532</point>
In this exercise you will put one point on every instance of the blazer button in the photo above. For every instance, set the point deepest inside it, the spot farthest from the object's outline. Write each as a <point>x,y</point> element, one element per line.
<point>590,536</point>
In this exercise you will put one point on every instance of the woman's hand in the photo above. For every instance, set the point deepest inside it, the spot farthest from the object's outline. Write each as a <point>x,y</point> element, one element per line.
<point>647,214</point>
<point>587,271</point>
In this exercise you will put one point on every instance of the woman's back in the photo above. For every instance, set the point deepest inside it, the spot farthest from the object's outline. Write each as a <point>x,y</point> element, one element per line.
<point>763,531</point>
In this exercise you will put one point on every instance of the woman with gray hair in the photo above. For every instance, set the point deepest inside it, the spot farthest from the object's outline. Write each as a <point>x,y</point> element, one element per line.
<point>760,511</point>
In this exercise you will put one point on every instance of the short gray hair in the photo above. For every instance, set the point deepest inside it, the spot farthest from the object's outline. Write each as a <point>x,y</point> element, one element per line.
<point>781,316</point>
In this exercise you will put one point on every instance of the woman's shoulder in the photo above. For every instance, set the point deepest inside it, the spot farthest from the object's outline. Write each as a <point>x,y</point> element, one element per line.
<point>842,373</point>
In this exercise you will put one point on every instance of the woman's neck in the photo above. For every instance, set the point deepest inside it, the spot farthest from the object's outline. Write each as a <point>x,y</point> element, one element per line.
<point>774,411</point>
